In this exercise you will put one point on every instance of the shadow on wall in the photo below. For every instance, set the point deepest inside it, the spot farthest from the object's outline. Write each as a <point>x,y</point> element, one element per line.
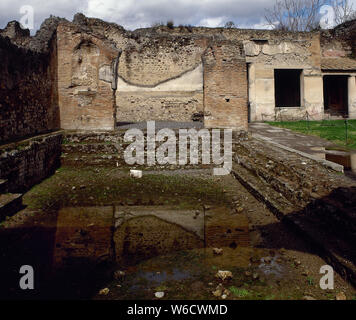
<point>29,103</point>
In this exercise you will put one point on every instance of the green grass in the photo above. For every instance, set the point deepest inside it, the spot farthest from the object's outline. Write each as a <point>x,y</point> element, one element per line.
<point>332,130</point>
<point>105,187</point>
<point>240,293</point>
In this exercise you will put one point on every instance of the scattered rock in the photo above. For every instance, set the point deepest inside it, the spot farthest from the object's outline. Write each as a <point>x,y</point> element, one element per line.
<point>255,276</point>
<point>308,298</point>
<point>227,292</point>
<point>119,274</point>
<point>217,293</point>
<point>104,292</point>
<point>137,174</point>
<point>341,296</point>
<point>297,263</point>
<point>224,275</point>
<point>267,260</point>
<point>159,295</point>
<point>239,209</point>
<point>224,296</point>
<point>218,251</point>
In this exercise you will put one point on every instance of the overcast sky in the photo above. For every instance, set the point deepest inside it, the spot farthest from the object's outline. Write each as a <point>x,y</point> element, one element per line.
<point>133,14</point>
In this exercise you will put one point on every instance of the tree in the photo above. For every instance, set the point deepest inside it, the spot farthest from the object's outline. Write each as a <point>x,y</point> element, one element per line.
<point>343,11</point>
<point>305,15</point>
<point>294,15</point>
<point>229,25</point>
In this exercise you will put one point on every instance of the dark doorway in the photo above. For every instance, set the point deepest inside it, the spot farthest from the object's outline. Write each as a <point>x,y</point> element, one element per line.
<point>336,95</point>
<point>287,87</point>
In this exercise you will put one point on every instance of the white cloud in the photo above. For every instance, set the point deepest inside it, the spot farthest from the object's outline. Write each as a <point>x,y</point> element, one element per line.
<point>210,13</point>
<point>213,22</point>
<point>134,14</point>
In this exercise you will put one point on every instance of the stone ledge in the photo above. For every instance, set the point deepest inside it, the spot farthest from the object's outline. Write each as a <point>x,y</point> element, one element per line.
<point>334,166</point>
<point>9,204</point>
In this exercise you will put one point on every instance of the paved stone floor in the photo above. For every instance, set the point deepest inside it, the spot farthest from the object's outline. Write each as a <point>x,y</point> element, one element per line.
<point>308,144</point>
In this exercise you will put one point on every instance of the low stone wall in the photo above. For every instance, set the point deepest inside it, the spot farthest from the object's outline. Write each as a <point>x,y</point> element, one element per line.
<point>28,162</point>
<point>314,200</point>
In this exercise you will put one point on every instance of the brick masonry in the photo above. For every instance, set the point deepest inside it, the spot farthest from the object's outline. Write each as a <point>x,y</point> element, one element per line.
<point>26,106</point>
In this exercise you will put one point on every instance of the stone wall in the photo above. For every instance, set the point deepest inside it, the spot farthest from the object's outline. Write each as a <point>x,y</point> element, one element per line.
<point>298,187</point>
<point>26,106</point>
<point>28,162</point>
<point>153,76</point>
<point>160,77</point>
<point>225,86</point>
<point>85,79</point>
<point>264,55</point>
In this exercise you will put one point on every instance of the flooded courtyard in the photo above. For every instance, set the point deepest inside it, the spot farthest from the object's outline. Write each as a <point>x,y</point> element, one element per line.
<point>97,233</point>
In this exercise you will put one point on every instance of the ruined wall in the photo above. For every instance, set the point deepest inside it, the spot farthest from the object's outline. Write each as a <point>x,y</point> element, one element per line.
<point>160,79</point>
<point>25,92</point>
<point>28,162</point>
<point>298,51</point>
<point>85,79</point>
<point>225,86</point>
<point>339,45</point>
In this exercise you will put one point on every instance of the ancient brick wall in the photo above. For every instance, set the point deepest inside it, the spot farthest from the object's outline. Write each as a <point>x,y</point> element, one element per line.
<point>26,108</point>
<point>225,86</point>
<point>85,80</point>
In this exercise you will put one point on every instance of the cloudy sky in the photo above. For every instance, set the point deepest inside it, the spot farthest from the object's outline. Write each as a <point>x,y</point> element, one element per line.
<point>134,14</point>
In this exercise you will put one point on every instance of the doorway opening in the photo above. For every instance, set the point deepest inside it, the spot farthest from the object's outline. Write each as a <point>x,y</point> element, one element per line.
<point>336,95</point>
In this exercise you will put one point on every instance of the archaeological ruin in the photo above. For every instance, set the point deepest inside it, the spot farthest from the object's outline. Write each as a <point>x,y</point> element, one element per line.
<point>68,93</point>
<point>96,75</point>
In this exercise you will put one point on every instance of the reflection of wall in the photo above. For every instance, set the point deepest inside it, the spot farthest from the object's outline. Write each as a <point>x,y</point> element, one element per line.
<point>146,237</point>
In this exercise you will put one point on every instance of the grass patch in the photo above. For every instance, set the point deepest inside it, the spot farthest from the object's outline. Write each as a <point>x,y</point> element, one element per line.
<point>105,186</point>
<point>332,130</point>
<point>240,293</point>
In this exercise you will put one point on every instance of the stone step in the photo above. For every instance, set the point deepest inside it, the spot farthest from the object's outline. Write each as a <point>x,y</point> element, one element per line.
<point>3,186</point>
<point>10,204</point>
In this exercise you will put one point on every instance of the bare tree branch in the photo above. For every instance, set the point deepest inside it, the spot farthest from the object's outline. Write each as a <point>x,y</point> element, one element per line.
<point>344,11</point>
<point>304,15</point>
<point>294,15</point>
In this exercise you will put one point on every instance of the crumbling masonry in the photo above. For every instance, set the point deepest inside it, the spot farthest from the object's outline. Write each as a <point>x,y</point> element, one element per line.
<point>89,74</point>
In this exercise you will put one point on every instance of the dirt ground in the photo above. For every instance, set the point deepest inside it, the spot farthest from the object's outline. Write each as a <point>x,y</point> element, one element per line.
<point>276,265</point>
